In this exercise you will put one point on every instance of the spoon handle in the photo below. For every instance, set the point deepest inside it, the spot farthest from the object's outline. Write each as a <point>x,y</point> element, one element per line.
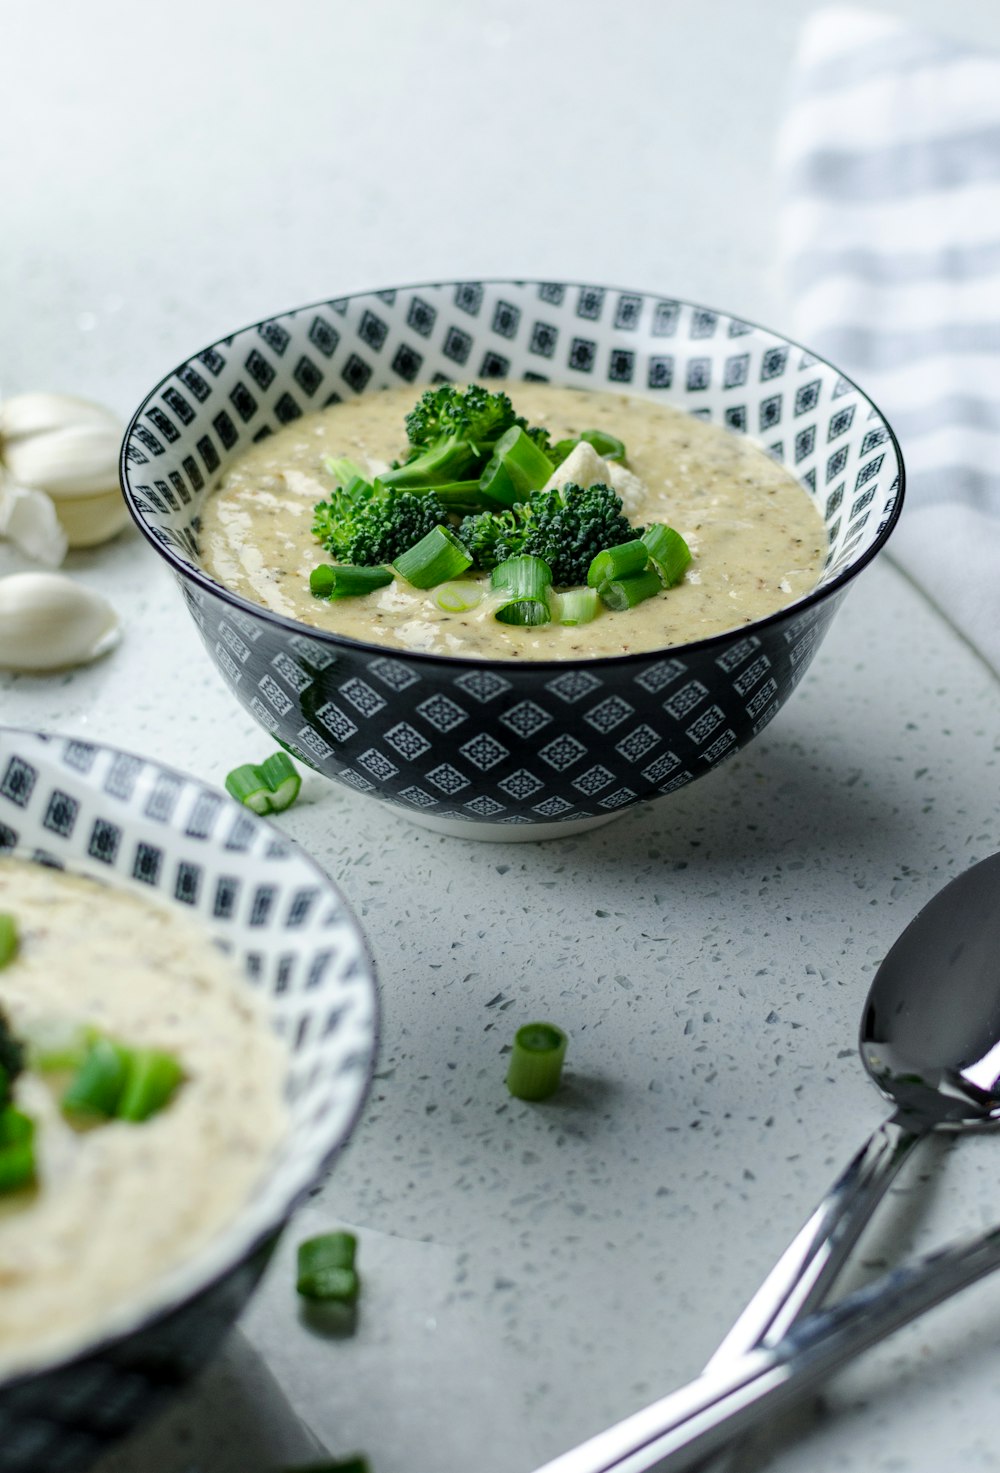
<point>690,1424</point>
<point>804,1272</point>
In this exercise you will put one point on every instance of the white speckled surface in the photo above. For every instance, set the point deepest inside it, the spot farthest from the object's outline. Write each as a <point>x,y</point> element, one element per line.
<point>531,1271</point>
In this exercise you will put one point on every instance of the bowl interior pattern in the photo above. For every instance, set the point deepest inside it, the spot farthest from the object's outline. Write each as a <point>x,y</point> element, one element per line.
<point>155,832</point>
<point>389,722</point>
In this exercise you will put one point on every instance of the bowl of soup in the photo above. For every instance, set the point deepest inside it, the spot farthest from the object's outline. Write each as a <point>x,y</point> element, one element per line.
<point>780,476</point>
<point>156,914</point>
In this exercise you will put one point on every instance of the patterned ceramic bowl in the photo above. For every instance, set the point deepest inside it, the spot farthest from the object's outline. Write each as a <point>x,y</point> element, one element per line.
<point>492,748</point>
<point>155,832</point>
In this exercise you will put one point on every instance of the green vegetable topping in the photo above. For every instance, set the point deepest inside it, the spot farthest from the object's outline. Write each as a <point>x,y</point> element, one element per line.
<point>326,1268</point>
<point>17,1150</point>
<point>457,598</point>
<point>668,552</point>
<point>10,941</point>
<point>436,558</point>
<point>112,1082</point>
<point>567,526</point>
<point>523,583</point>
<point>517,468</point>
<point>624,593</point>
<point>618,562</point>
<point>270,787</point>
<point>574,606</point>
<point>366,524</point>
<point>536,1061</point>
<point>341,580</point>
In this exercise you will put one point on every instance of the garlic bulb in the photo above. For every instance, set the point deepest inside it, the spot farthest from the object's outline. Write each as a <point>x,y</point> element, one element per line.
<point>65,449</point>
<point>49,621</point>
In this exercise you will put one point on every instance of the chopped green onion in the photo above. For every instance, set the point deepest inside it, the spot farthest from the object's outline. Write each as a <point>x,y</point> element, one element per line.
<point>525,582</point>
<point>246,784</point>
<point>574,605</point>
<point>152,1079</point>
<point>516,468</point>
<point>270,788</point>
<point>326,1268</point>
<point>625,593</point>
<point>17,1150</point>
<point>668,552</point>
<point>536,1061</point>
<point>436,558</point>
<point>9,939</point>
<point>618,562</point>
<point>341,580</point>
<point>457,598</point>
<point>282,780</point>
<point>98,1083</point>
<point>55,1046</point>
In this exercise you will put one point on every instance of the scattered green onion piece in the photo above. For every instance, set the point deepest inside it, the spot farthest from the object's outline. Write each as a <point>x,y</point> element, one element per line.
<point>341,580</point>
<point>609,447</point>
<point>457,598</point>
<point>282,780</point>
<point>525,581</point>
<point>326,1268</point>
<point>624,593</point>
<point>668,552</point>
<point>151,1081</point>
<point>536,1061</point>
<point>618,562</point>
<point>270,788</point>
<point>98,1084</point>
<point>435,559</point>
<point>9,939</point>
<point>246,784</point>
<point>17,1150</point>
<point>516,468</point>
<point>55,1046</point>
<point>574,605</point>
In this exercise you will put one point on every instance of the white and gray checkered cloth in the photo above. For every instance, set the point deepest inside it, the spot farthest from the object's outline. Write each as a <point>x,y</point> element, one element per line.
<point>889,175</point>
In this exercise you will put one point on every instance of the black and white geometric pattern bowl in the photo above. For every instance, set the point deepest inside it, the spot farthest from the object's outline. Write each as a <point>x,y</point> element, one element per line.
<point>504,749</point>
<point>151,830</point>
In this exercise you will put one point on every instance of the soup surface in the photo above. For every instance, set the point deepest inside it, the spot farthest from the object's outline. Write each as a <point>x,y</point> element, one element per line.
<point>758,543</point>
<point>118,1204</point>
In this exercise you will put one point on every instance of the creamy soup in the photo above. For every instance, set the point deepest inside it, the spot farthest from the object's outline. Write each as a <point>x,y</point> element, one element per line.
<point>117,1205</point>
<point>757,541</point>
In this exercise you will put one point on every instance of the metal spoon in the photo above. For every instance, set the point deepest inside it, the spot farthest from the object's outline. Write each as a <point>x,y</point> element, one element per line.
<point>930,1039</point>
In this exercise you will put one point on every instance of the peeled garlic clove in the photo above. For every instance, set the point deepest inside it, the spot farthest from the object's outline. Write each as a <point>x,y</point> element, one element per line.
<point>37,413</point>
<point>89,520</point>
<point>76,460</point>
<point>49,621</point>
<point>28,519</point>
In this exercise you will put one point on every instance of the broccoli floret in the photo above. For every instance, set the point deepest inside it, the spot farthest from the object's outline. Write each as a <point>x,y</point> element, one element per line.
<point>566,526</point>
<point>375,528</point>
<point>452,433</point>
<point>11,1058</point>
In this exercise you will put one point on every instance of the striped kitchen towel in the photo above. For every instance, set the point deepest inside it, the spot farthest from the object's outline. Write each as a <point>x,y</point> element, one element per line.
<point>889,175</point>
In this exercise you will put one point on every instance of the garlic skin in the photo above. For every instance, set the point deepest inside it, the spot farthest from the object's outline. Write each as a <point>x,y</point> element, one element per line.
<point>48,621</point>
<point>66,449</point>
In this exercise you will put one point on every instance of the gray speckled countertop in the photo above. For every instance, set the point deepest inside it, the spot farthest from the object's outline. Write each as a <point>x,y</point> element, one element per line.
<point>531,1272</point>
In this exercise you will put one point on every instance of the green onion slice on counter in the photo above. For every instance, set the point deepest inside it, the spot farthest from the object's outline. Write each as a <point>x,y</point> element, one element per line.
<point>618,562</point>
<point>270,787</point>
<point>341,580</point>
<point>524,584</point>
<point>668,552</point>
<point>625,593</point>
<point>435,559</point>
<point>536,1061</point>
<point>326,1268</point>
<point>9,938</point>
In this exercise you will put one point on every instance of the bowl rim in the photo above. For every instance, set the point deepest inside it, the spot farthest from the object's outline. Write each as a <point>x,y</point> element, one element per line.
<point>816,596</point>
<point>180,1286</point>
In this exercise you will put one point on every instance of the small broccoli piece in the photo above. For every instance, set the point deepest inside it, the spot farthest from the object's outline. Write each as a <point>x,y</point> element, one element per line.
<point>566,526</point>
<point>452,433</point>
<point>11,1058</point>
<point>375,529</point>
